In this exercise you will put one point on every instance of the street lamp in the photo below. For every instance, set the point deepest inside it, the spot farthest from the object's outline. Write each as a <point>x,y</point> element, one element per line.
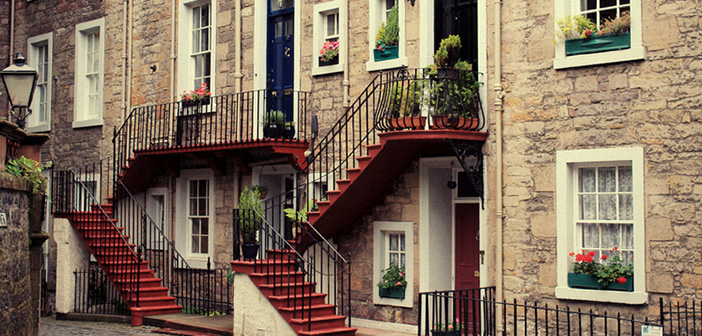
<point>20,80</point>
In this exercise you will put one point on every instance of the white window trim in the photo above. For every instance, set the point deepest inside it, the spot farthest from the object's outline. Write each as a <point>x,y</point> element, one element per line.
<point>159,191</point>
<point>320,11</point>
<point>565,185</point>
<point>185,63</point>
<point>182,240</point>
<point>380,229</point>
<point>636,52</point>
<point>375,17</point>
<point>33,125</point>
<point>80,96</point>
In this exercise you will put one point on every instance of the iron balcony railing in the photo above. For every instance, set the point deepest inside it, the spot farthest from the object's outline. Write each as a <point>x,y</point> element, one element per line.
<point>302,255</point>
<point>475,311</point>
<point>226,119</point>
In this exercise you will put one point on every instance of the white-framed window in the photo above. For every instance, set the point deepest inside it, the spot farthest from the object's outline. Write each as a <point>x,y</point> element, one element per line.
<point>329,26</point>
<point>40,54</point>
<point>89,73</point>
<point>597,11</point>
<point>195,231</point>
<point>393,244</point>
<point>196,41</point>
<point>378,13</point>
<point>599,206</point>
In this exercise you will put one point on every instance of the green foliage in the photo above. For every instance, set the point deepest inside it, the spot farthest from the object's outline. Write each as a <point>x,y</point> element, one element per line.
<point>447,54</point>
<point>249,221</point>
<point>389,32</point>
<point>607,270</point>
<point>29,170</point>
<point>573,27</point>
<point>203,312</point>
<point>617,25</point>
<point>230,276</point>
<point>394,276</point>
<point>406,99</point>
<point>275,117</point>
<point>293,216</point>
<point>260,189</point>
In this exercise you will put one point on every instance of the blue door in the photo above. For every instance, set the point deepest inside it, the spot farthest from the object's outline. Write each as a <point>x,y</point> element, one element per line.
<point>280,53</point>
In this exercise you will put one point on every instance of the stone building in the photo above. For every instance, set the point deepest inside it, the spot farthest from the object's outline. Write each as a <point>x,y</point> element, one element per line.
<point>557,151</point>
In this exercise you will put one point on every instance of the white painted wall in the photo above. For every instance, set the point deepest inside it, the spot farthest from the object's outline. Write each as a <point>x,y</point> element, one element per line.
<point>253,313</point>
<point>71,254</point>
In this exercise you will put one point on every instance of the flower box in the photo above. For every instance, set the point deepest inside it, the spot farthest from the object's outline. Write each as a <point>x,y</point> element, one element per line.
<point>388,53</point>
<point>197,102</point>
<point>333,61</point>
<point>587,281</point>
<point>598,44</point>
<point>446,333</point>
<point>414,123</point>
<point>392,292</point>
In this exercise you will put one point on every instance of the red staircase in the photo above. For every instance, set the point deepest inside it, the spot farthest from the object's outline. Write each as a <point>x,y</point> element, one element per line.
<point>279,280</point>
<point>133,279</point>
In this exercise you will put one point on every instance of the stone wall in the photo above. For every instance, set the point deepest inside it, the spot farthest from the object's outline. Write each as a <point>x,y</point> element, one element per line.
<point>18,314</point>
<point>4,48</point>
<point>654,103</point>
<point>401,205</point>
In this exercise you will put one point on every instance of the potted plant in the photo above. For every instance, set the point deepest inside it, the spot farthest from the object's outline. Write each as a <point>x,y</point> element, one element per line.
<point>609,273</point>
<point>262,191</point>
<point>201,96</point>
<point>454,93</point>
<point>393,283</point>
<point>387,37</point>
<point>449,329</point>
<point>329,54</point>
<point>404,106</point>
<point>301,217</point>
<point>583,37</point>
<point>249,221</point>
<point>274,123</point>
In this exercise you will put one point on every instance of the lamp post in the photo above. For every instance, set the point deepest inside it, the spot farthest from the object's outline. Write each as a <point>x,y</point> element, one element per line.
<point>20,80</point>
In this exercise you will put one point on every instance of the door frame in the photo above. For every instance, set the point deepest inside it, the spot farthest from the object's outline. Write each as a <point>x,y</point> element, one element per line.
<point>428,169</point>
<point>261,45</point>
<point>481,214</point>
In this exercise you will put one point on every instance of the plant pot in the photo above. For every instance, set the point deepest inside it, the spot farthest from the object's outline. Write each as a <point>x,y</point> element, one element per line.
<point>392,292</point>
<point>451,122</point>
<point>446,333</point>
<point>407,123</point>
<point>447,73</point>
<point>198,102</point>
<point>249,251</point>
<point>388,53</point>
<point>333,61</point>
<point>262,194</point>
<point>586,281</point>
<point>289,132</point>
<point>598,44</point>
<point>273,131</point>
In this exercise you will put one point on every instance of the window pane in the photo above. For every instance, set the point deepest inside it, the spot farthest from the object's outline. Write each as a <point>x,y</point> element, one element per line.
<point>588,207</point>
<point>402,260</point>
<point>606,179</point>
<point>204,226</point>
<point>279,29</point>
<point>195,223</point>
<point>204,248</point>
<point>393,242</point>
<point>625,179</point>
<point>587,179</point>
<point>591,235</point>
<point>607,207</point>
<point>588,5</point>
<point>610,236</point>
<point>205,39</point>
<point>402,242</point>
<point>626,208</point>
<point>627,236</point>
<point>202,191</point>
<point>608,14</point>
<point>193,188</point>
<point>389,4</point>
<point>607,3</point>
<point>394,259</point>
<point>195,244</point>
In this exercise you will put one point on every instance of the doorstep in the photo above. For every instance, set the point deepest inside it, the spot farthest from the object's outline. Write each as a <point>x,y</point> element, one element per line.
<point>216,325</point>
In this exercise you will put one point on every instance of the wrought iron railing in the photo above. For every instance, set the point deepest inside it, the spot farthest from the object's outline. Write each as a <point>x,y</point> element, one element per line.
<point>474,312</point>
<point>305,257</point>
<point>203,291</point>
<point>94,294</point>
<point>226,119</point>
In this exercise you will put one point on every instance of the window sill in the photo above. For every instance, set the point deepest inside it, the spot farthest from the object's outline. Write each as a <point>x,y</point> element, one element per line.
<point>407,302</point>
<point>87,123</point>
<point>327,70</point>
<point>39,128</point>
<point>616,56</point>
<point>198,262</point>
<point>400,62</point>
<point>632,298</point>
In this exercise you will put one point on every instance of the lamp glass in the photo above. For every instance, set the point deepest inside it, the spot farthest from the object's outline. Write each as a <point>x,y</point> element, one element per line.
<point>19,88</point>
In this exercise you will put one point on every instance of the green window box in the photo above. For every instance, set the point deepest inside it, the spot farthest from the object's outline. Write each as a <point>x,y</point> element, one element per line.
<point>598,44</point>
<point>388,53</point>
<point>392,292</point>
<point>586,281</point>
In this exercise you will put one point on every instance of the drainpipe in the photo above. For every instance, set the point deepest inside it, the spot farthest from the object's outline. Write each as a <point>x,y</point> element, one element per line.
<point>12,32</point>
<point>346,83</point>
<point>129,54</point>
<point>499,215</point>
<point>237,47</point>
<point>171,88</point>
<point>125,60</point>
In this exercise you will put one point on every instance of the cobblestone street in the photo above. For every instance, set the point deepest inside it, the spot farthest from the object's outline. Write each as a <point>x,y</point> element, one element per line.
<point>51,327</point>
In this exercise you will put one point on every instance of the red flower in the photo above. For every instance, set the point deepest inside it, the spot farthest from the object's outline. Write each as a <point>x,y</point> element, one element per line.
<point>588,258</point>
<point>578,257</point>
<point>588,33</point>
<point>615,248</point>
<point>572,254</point>
<point>380,48</point>
<point>621,280</point>
<point>591,253</point>
<point>603,257</point>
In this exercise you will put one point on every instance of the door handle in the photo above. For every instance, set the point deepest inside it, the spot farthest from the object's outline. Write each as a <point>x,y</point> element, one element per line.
<point>287,52</point>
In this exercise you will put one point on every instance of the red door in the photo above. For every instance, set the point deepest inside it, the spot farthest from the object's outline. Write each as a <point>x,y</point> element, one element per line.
<point>467,309</point>
<point>467,246</point>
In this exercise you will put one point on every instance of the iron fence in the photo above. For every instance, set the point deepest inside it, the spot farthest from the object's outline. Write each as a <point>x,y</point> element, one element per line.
<point>684,318</point>
<point>475,311</point>
<point>94,294</point>
<point>203,291</point>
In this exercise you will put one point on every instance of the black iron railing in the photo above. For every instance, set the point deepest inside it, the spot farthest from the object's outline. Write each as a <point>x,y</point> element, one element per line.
<point>683,318</point>
<point>241,117</point>
<point>94,294</point>
<point>303,255</point>
<point>474,312</point>
<point>203,291</point>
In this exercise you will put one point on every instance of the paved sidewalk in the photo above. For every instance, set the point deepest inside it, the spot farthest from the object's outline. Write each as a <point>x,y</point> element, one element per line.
<point>51,327</point>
